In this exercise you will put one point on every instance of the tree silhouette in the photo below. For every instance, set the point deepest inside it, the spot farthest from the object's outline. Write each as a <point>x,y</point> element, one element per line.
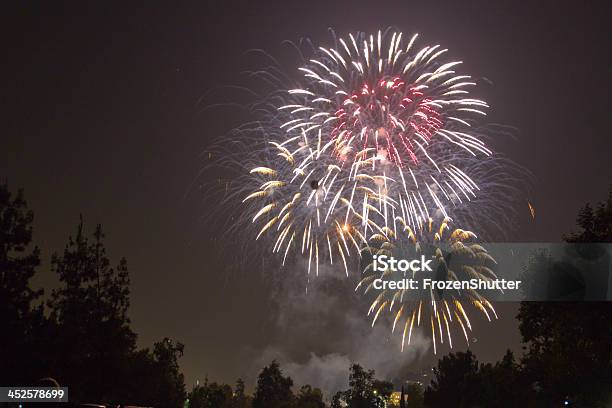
<point>273,389</point>
<point>22,322</point>
<point>412,396</point>
<point>86,343</point>
<point>460,382</point>
<point>94,347</point>
<point>595,225</point>
<point>154,378</point>
<point>338,400</point>
<point>455,383</point>
<point>365,391</point>
<point>361,388</point>
<point>240,399</point>
<point>211,395</point>
<point>90,313</point>
<point>382,389</point>
<point>567,341</point>
<point>170,381</point>
<point>309,397</point>
<point>499,383</point>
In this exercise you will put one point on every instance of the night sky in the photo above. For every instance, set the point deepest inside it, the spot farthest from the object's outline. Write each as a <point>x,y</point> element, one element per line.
<point>102,116</point>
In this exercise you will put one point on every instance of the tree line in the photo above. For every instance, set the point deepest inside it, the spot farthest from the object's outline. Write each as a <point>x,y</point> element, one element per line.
<point>567,360</point>
<point>79,336</point>
<point>275,390</point>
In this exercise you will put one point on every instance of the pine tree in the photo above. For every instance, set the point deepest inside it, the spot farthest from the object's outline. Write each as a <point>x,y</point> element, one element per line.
<point>18,314</point>
<point>90,311</point>
<point>595,225</point>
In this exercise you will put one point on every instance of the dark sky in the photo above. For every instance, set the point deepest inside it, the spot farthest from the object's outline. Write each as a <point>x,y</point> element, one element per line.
<point>101,116</point>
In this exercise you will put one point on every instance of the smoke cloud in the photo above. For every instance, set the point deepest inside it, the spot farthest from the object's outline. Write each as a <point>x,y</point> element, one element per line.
<point>321,327</point>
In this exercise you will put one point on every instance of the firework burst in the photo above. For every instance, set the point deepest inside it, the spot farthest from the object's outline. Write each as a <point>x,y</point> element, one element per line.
<point>379,132</point>
<point>456,257</point>
<point>375,149</point>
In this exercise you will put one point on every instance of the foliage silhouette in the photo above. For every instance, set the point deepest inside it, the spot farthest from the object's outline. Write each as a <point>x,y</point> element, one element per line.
<point>22,320</point>
<point>309,397</point>
<point>273,389</point>
<point>567,341</point>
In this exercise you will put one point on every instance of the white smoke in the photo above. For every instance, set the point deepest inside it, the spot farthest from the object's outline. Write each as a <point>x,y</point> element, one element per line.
<point>321,331</point>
